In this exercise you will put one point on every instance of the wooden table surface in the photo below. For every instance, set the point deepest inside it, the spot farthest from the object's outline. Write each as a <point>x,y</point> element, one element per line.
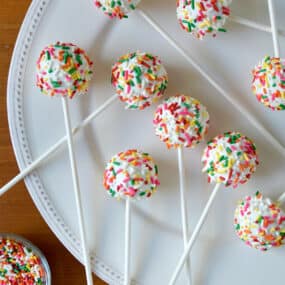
<point>17,211</point>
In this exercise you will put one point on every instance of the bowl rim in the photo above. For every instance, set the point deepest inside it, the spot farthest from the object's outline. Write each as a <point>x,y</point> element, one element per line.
<point>35,249</point>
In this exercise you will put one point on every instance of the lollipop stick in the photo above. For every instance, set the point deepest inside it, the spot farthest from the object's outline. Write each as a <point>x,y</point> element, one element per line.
<point>194,235</point>
<point>56,146</point>
<point>281,199</point>
<point>127,241</point>
<point>274,28</point>
<point>271,8</point>
<point>254,25</point>
<point>218,87</point>
<point>76,189</point>
<point>183,207</point>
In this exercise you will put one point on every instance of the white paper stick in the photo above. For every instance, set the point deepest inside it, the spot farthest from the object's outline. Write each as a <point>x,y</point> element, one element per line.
<point>194,235</point>
<point>76,188</point>
<point>127,280</point>
<point>254,25</point>
<point>249,23</point>
<point>276,46</point>
<point>274,28</point>
<point>230,99</point>
<point>281,199</point>
<point>183,207</point>
<point>56,146</point>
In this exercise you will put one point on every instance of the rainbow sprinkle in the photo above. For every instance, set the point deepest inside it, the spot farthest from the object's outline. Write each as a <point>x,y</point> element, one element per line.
<point>259,222</point>
<point>230,159</point>
<point>268,82</point>
<point>202,17</point>
<point>63,69</point>
<point>139,79</point>
<point>19,265</point>
<point>181,121</point>
<point>131,174</point>
<point>117,8</point>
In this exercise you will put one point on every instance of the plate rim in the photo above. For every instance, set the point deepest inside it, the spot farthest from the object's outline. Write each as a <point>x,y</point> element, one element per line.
<point>23,44</point>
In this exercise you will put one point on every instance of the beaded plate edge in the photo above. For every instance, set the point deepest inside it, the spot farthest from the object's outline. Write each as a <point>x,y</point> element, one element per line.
<point>21,145</point>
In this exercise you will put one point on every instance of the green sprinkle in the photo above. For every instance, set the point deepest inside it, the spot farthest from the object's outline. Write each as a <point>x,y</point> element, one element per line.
<point>137,70</point>
<point>112,192</point>
<point>222,158</point>
<point>150,57</point>
<point>222,30</point>
<point>48,55</point>
<point>234,138</point>
<point>267,58</point>
<point>62,47</point>
<point>3,272</point>
<point>186,105</point>
<point>65,57</point>
<point>259,219</point>
<point>228,150</point>
<point>188,25</point>
<point>72,70</point>
<point>156,169</point>
<point>78,59</point>
<point>55,84</point>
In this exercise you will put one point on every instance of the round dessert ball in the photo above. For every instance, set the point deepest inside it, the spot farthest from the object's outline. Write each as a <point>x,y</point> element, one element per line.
<point>230,159</point>
<point>181,121</point>
<point>268,82</point>
<point>131,174</point>
<point>139,79</point>
<point>63,69</point>
<point>259,222</point>
<point>203,17</point>
<point>117,8</point>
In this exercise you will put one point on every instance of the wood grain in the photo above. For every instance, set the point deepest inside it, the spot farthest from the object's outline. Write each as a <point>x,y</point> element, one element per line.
<point>19,215</point>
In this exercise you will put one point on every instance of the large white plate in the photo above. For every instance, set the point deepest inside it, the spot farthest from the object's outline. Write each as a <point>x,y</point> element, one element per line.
<point>36,122</point>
